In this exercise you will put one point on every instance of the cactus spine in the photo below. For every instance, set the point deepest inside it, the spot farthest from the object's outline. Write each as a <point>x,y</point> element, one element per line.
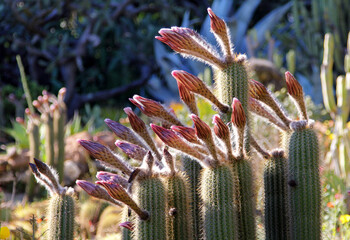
<point>192,169</point>
<point>219,210</point>
<point>61,217</point>
<point>276,205</point>
<point>304,185</point>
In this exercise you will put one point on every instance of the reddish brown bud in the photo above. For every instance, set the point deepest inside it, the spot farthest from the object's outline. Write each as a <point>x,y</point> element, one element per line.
<point>293,86</point>
<point>238,118</point>
<point>187,133</point>
<point>194,84</point>
<point>190,43</point>
<point>119,193</point>
<point>217,25</point>
<point>147,106</point>
<point>220,128</point>
<point>136,123</point>
<point>105,155</point>
<point>185,95</point>
<point>257,90</point>
<point>91,189</point>
<point>203,131</point>
<point>166,135</point>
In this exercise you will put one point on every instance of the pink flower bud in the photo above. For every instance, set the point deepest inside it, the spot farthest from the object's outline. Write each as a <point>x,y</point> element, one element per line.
<point>238,117</point>
<point>293,86</point>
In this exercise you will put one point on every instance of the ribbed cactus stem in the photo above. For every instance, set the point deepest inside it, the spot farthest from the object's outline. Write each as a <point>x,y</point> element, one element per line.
<point>219,209</point>
<point>192,169</point>
<point>61,218</point>
<point>151,196</point>
<point>179,222</point>
<point>233,82</point>
<point>304,185</point>
<point>276,205</point>
<point>49,139</point>
<point>59,121</point>
<point>34,144</point>
<point>246,215</point>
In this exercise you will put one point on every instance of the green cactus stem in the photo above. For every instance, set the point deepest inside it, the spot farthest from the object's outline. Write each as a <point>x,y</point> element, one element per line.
<point>59,121</point>
<point>151,196</point>
<point>246,212</point>
<point>192,170</point>
<point>219,210</point>
<point>179,222</point>
<point>126,217</point>
<point>49,139</point>
<point>233,82</point>
<point>276,205</point>
<point>61,217</point>
<point>304,184</point>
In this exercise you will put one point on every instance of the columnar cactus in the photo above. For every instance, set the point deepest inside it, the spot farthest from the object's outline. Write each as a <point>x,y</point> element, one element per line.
<point>156,191</point>
<point>61,207</point>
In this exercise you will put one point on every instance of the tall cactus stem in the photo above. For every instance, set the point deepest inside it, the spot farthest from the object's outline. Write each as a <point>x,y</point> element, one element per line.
<point>192,170</point>
<point>61,217</point>
<point>304,185</point>
<point>151,196</point>
<point>276,204</point>
<point>179,222</point>
<point>219,209</point>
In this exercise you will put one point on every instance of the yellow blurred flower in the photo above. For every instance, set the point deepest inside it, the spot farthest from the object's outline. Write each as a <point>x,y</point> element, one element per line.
<point>344,218</point>
<point>176,106</point>
<point>4,233</point>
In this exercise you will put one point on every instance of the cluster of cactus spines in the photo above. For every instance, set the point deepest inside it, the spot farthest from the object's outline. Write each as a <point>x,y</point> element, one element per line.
<point>53,117</point>
<point>225,185</point>
<point>276,202</point>
<point>61,207</point>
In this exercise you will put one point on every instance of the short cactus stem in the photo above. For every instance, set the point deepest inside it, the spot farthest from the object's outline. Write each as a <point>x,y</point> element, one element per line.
<point>192,170</point>
<point>276,205</point>
<point>246,212</point>
<point>304,185</point>
<point>151,196</point>
<point>233,82</point>
<point>179,222</point>
<point>219,209</point>
<point>61,217</point>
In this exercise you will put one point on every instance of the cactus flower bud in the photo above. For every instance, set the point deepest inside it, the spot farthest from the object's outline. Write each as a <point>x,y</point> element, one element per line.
<point>220,128</point>
<point>96,191</point>
<point>119,193</point>
<point>136,123</point>
<point>293,86</point>
<point>189,43</point>
<point>221,32</point>
<point>105,155</point>
<point>187,133</point>
<point>238,117</point>
<point>203,131</point>
<point>133,151</point>
<point>194,84</point>
<point>111,177</point>
<point>257,90</point>
<point>123,132</point>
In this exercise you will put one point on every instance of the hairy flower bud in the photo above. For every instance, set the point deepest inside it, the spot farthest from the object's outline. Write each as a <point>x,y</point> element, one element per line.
<point>187,133</point>
<point>238,117</point>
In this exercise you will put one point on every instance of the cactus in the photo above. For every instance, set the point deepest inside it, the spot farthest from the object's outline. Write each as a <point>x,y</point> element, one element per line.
<point>339,109</point>
<point>276,205</point>
<point>192,170</point>
<point>156,191</point>
<point>179,222</point>
<point>304,184</point>
<point>61,207</point>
